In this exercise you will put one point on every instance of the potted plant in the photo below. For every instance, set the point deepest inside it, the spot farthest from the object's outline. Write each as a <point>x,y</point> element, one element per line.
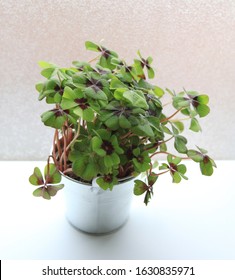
<point>110,126</point>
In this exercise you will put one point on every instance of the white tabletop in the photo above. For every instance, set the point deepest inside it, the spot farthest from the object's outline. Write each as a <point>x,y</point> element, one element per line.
<point>191,220</point>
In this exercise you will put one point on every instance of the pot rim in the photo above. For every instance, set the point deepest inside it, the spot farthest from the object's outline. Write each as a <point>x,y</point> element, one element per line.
<point>120,181</point>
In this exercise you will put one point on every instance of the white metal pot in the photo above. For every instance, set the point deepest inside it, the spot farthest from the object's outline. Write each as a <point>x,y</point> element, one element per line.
<point>94,210</point>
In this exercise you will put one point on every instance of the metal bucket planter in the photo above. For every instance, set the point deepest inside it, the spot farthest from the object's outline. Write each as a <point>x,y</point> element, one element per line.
<point>94,210</point>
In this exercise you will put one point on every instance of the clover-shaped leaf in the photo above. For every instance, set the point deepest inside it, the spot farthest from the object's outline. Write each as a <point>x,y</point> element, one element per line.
<point>206,163</point>
<point>108,181</point>
<point>75,100</point>
<point>141,187</point>
<point>177,170</point>
<point>191,101</point>
<point>54,118</point>
<point>106,55</point>
<point>141,64</point>
<point>85,167</point>
<point>141,160</point>
<point>48,184</point>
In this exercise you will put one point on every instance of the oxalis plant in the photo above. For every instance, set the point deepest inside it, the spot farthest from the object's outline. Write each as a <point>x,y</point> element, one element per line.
<point>110,124</point>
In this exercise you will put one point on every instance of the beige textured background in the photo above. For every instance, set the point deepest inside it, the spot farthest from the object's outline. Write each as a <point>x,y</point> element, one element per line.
<point>192,42</point>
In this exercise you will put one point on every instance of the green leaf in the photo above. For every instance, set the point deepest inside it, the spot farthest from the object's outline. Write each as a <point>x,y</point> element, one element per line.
<point>163,147</point>
<point>42,192</point>
<point>112,123</point>
<point>52,175</point>
<point>39,87</point>
<point>88,115</point>
<point>180,102</point>
<point>115,158</point>
<point>180,144</point>
<point>152,178</point>
<point>36,178</point>
<point>54,118</point>
<point>195,126</point>
<point>203,151</point>
<point>116,83</point>
<point>48,72</point>
<point>176,177</point>
<point>195,155</point>
<point>92,46</point>
<point>79,165</point>
<point>150,73</point>
<point>118,94</point>
<point>78,111</point>
<point>143,129</point>
<point>136,99</point>
<point>80,80</point>
<point>96,143</point>
<point>140,166</point>
<point>206,167</point>
<point>180,126</point>
<point>175,160</point>
<point>99,95</point>
<point>158,91</point>
<point>186,111</point>
<point>103,184</point>
<point>164,166</point>
<point>70,94</point>
<point>123,122</point>
<point>38,192</point>
<point>85,167</point>
<point>140,187</point>
<point>67,104</point>
<point>44,64</point>
<point>203,99</point>
<point>108,161</point>
<point>203,110</point>
<point>166,130</point>
<point>107,181</point>
<point>136,152</point>
<point>181,168</point>
<point>138,68</point>
<point>147,197</point>
<point>52,190</point>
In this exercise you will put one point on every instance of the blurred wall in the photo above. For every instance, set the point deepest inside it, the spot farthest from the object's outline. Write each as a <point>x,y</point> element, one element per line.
<point>192,43</point>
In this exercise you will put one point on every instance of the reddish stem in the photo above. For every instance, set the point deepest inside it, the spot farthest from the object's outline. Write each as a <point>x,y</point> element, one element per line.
<point>168,118</point>
<point>168,154</point>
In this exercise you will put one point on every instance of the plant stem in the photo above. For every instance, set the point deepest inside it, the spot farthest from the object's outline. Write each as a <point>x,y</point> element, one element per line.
<point>154,154</point>
<point>53,150</point>
<point>75,137</point>
<point>158,174</point>
<point>166,140</point>
<point>158,144</point>
<point>129,133</point>
<point>168,103</point>
<point>94,59</point>
<point>151,168</point>
<point>168,118</point>
<point>65,146</point>
<point>57,141</point>
<point>179,120</point>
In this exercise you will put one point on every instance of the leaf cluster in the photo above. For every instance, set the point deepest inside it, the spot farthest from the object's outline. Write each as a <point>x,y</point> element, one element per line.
<point>109,121</point>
